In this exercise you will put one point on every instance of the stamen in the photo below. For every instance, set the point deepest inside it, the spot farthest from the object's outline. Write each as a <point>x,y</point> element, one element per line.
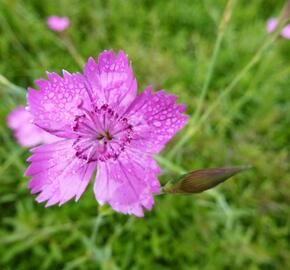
<point>106,124</point>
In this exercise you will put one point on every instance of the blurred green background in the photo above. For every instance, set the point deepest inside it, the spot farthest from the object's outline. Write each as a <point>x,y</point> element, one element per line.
<point>242,224</point>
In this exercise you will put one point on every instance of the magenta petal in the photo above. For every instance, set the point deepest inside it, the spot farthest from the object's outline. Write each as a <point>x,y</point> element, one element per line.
<point>111,81</point>
<point>128,183</point>
<point>271,25</point>
<point>55,106</point>
<point>286,32</point>
<point>58,24</point>
<point>104,123</point>
<point>156,118</point>
<point>26,133</point>
<point>57,174</point>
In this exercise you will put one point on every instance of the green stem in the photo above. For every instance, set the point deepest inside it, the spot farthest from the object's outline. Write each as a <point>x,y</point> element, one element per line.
<point>236,80</point>
<point>4,81</point>
<point>71,49</point>
<point>225,20</point>
<point>221,32</point>
<point>257,56</point>
<point>170,165</point>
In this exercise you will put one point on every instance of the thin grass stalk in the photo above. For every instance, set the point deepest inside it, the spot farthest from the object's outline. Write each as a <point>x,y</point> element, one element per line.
<point>254,60</point>
<point>221,33</point>
<point>71,49</point>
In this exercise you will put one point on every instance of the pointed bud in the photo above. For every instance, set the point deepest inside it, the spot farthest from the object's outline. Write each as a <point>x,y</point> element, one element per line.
<point>201,180</point>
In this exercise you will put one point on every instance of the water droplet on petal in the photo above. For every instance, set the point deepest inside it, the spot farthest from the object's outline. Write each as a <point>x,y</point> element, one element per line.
<point>160,137</point>
<point>157,123</point>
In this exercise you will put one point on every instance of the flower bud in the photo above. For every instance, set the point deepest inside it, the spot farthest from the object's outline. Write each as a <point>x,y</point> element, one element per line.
<point>201,180</point>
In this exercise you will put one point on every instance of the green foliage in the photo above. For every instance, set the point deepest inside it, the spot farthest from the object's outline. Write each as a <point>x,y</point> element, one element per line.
<point>242,224</point>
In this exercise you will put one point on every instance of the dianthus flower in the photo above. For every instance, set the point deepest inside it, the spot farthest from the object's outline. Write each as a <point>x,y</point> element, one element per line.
<point>27,134</point>
<point>272,24</point>
<point>58,24</point>
<point>106,127</point>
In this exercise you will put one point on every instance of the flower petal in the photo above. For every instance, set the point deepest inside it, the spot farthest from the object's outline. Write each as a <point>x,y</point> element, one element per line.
<point>57,174</point>
<point>111,80</point>
<point>128,183</point>
<point>271,24</point>
<point>156,118</point>
<point>286,31</point>
<point>55,106</point>
<point>26,133</point>
<point>57,23</point>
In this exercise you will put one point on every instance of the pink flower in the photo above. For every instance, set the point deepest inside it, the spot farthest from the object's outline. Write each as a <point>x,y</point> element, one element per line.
<point>58,24</point>
<point>271,25</point>
<point>105,125</point>
<point>26,133</point>
<point>286,31</point>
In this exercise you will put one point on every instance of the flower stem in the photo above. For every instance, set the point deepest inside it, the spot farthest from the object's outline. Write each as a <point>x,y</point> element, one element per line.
<point>222,27</point>
<point>5,82</point>
<point>256,57</point>
<point>170,165</point>
<point>71,49</point>
<point>221,32</point>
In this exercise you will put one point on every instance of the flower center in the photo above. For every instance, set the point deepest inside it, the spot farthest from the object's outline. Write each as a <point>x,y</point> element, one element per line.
<point>101,134</point>
<point>106,136</point>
